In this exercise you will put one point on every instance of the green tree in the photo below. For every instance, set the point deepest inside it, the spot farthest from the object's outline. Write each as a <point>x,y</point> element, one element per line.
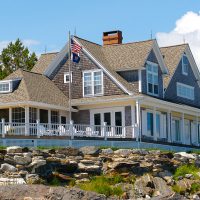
<point>16,56</point>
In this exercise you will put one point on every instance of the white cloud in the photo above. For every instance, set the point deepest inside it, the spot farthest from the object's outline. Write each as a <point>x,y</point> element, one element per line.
<point>187,30</point>
<point>3,44</point>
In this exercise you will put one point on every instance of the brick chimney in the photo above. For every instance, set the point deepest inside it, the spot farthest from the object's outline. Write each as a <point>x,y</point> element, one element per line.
<point>112,37</point>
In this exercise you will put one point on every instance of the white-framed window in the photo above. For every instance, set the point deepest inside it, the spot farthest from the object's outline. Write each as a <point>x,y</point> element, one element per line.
<point>152,78</point>
<point>67,77</point>
<point>54,117</point>
<point>185,91</point>
<point>5,86</point>
<point>185,65</point>
<point>92,83</point>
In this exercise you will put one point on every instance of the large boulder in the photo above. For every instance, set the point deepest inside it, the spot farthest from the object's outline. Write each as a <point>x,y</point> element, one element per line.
<point>7,168</point>
<point>22,160</point>
<point>184,155</point>
<point>14,149</point>
<point>123,152</point>
<point>33,179</point>
<point>108,151</point>
<point>68,151</point>
<point>11,181</point>
<point>90,150</point>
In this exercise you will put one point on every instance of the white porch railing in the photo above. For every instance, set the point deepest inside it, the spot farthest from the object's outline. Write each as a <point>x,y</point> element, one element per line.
<point>71,130</point>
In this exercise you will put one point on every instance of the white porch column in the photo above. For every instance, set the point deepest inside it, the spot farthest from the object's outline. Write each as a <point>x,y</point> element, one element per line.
<point>169,136</point>
<point>154,125</point>
<point>26,120</point>
<point>10,115</point>
<point>197,122</point>
<point>138,137</point>
<point>38,114</point>
<point>183,129</point>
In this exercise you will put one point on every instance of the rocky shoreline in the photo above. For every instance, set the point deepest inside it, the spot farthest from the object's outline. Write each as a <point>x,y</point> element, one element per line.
<point>58,174</point>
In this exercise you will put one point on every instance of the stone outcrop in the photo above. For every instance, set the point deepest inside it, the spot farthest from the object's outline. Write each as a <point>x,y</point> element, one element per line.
<point>22,169</point>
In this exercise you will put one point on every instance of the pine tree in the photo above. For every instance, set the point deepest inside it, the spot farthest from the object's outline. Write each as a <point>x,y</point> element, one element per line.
<point>16,56</point>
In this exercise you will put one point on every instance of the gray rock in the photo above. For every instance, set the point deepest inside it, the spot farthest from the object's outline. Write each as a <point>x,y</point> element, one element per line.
<point>123,152</point>
<point>22,160</point>
<point>90,150</point>
<point>89,168</point>
<point>7,168</point>
<point>184,155</point>
<point>14,149</point>
<point>68,151</point>
<point>107,151</point>
<point>33,179</point>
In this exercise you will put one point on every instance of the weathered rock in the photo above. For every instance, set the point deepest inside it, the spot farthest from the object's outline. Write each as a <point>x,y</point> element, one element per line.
<point>89,168</point>
<point>33,179</point>
<point>36,164</point>
<point>22,160</point>
<point>184,155</point>
<point>14,149</point>
<point>108,151</point>
<point>8,168</point>
<point>90,150</point>
<point>11,181</point>
<point>81,175</point>
<point>68,151</point>
<point>123,152</point>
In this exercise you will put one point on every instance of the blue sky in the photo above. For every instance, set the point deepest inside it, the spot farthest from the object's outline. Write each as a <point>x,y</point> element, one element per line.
<point>41,23</point>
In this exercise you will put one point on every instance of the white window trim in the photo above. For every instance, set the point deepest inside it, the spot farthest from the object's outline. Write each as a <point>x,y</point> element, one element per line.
<point>105,110</point>
<point>102,89</point>
<point>153,64</point>
<point>67,74</point>
<point>184,85</point>
<point>184,73</point>
<point>10,86</point>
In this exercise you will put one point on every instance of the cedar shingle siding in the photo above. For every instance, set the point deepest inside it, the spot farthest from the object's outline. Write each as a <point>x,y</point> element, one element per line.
<point>152,58</point>
<point>110,88</point>
<point>171,92</point>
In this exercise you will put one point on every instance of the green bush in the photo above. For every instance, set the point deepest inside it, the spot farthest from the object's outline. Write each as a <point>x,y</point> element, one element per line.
<point>178,189</point>
<point>186,169</point>
<point>104,185</point>
<point>55,182</point>
<point>195,187</point>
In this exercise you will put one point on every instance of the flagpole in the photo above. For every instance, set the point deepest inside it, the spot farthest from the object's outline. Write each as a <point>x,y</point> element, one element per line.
<point>69,46</point>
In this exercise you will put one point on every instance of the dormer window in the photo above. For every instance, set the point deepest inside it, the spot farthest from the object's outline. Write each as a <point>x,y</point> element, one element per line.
<point>184,65</point>
<point>152,78</point>
<point>5,86</point>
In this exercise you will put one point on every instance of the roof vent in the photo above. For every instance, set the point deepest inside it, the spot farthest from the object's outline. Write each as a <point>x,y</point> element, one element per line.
<point>112,37</point>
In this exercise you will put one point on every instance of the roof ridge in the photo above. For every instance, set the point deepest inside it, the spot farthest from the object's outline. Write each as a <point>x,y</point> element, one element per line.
<point>50,53</point>
<point>31,72</point>
<point>87,40</point>
<point>176,45</point>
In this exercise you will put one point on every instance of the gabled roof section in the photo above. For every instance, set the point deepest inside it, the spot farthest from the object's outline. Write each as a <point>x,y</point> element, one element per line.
<point>172,56</point>
<point>35,88</point>
<point>43,62</point>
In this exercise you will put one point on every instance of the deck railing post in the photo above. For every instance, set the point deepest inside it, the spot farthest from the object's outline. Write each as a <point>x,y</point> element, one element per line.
<point>26,129</point>
<point>3,127</point>
<point>133,130</point>
<point>38,128</point>
<point>104,130</point>
<point>71,129</point>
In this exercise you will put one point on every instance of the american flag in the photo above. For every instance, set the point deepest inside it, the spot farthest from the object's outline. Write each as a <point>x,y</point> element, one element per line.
<point>75,48</point>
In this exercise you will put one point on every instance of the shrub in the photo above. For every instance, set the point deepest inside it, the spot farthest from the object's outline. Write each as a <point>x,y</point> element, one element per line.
<point>178,189</point>
<point>104,185</point>
<point>195,187</point>
<point>186,169</point>
<point>55,182</point>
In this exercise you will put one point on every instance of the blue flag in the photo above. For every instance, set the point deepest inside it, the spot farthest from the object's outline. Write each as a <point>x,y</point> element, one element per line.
<point>75,58</point>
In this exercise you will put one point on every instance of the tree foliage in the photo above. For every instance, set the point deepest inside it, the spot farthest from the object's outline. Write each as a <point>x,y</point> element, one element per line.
<point>16,56</point>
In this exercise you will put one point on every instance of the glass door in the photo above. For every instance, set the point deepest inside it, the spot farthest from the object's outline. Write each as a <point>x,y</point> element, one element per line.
<point>97,123</point>
<point>118,123</point>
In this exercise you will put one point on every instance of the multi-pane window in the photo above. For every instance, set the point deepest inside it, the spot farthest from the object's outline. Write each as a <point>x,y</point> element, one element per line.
<point>152,78</point>
<point>185,91</point>
<point>67,77</point>
<point>185,65</point>
<point>18,115</point>
<point>32,115</point>
<point>5,86</point>
<point>54,117</point>
<point>92,83</point>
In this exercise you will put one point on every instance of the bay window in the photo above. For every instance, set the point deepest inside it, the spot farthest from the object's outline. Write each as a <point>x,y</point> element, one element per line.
<point>92,83</point>
<point>152,78</point>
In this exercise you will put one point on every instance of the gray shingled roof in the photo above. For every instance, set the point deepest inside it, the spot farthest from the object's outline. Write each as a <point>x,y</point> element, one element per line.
<point>34,87</point>
<point>172,56</point>
<point>43,62</point>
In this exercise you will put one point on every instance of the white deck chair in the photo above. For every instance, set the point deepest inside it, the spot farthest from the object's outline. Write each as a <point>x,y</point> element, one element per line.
<point>62,131</point>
